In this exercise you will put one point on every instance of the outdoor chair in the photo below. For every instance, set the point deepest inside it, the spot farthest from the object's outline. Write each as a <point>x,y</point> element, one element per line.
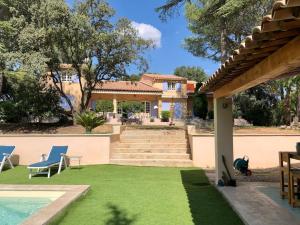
<point>284,172</point>
<point>56,157</point>
<point>295,188</point>
<point>5,156</point>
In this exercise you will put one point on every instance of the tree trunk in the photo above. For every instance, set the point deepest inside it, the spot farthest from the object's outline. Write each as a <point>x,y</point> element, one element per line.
<point>297,100</point>
<point>1,83</point>
<point>223,42</point>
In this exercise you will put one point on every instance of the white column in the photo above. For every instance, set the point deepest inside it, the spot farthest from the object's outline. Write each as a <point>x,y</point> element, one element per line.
<point>223,120</point>
<point>115,103</point>
<point>159,104</point>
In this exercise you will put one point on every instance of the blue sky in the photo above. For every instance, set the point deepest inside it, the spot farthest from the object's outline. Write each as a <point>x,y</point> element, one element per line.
<point>170,54</point>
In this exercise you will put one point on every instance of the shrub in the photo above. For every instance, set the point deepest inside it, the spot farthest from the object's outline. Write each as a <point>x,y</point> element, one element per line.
<point>132,107</point>
<point>255,105</point>
<point>210,115</point>
<point>104,106</point>
<point>165,116</point>
<point>200,105</point>
<point>9,112</point>
<point>29,99</point>
<point>89,120</point>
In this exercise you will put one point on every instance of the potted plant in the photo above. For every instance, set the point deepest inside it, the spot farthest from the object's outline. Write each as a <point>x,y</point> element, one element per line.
<point>165,116</point>
<point>89,120</point>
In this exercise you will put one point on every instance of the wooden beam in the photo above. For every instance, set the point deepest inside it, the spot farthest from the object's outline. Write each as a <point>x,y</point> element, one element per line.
<point>280,62</point>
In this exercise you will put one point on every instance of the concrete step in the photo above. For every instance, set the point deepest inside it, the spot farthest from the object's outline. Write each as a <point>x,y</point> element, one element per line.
<point>152,145</point>
<point>156,137</point>
<point>143,132</point>
<point>153,162</point>
<point>153,132</point>
<point>150,156</point>
<point>117,149</point>
<point>163,140</point>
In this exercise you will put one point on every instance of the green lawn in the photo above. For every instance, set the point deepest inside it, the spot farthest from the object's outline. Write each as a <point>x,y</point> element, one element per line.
<point>138,195</point>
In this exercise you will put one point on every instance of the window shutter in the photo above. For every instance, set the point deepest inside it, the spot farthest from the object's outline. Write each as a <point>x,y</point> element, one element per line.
<point>93,105</point>
<point>56,77</point>
<point>165,86</point>
<point>75,79</point>
<point>64,104</point>
<point>178,87</point>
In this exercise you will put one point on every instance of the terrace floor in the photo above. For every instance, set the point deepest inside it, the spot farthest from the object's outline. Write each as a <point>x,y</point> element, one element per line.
<point>257,201</point>
<point>123,195</point>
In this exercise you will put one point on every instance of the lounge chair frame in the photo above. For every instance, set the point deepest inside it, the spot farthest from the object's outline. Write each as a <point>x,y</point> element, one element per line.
<point>41,170</point>
<point>6,160</point>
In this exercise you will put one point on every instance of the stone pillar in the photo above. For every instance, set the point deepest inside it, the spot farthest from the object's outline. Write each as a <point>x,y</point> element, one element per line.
<point>223,120</point>
<point>159,107</point>
<point>115,103</point>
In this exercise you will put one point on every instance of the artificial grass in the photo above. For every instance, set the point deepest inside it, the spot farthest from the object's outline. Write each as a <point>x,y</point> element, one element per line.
<point>122,195</point>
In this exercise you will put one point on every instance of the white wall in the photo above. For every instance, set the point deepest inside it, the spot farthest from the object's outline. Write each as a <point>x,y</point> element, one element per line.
<point>261,149</point>
<point>94,149</point>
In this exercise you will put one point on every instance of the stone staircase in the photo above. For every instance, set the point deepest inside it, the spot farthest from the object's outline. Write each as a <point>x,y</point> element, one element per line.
<point>152,147</point>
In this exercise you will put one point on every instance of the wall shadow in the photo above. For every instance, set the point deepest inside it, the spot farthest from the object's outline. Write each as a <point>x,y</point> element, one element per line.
<point>117,216</point>
<point>207,206</point>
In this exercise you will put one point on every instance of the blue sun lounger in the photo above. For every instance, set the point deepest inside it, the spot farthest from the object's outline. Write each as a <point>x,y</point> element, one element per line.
<point>56,157</point>
<point>5,155</point>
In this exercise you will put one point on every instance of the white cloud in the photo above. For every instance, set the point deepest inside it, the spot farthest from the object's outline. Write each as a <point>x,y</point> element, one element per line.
<point>148,32</point>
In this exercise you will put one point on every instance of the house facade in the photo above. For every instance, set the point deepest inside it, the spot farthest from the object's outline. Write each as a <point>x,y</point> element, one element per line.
<point>157,92</point>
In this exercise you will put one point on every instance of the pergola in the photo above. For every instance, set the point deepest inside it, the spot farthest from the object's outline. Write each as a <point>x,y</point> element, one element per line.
<point>271,52</point>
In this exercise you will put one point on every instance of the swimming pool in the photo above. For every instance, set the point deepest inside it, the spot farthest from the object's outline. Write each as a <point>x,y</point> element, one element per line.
<point>17,206</point>
<point>36,204</point>
<point>14,210</point>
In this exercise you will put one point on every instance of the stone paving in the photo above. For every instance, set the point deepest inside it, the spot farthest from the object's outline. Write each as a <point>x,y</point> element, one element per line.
<point>260,204</point>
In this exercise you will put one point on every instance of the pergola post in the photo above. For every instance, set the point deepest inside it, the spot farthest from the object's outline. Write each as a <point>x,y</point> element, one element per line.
<point>115,103</point>
<point>223,120</point>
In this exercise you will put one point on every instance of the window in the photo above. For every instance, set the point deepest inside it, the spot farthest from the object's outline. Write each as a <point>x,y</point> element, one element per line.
<point>147,107</point>
<point>66,77</point>
<point>171,86</point>
<point>64,104</point>
<point>119,108</point>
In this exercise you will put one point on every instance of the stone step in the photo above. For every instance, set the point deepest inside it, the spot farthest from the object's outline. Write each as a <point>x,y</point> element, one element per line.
<point>153,162</point>
<point>153,132</point>
<point>149,150</point>
<point>152,145</point>
<point>156,137</point>
<point>163,140</point>
<point>150,156</point>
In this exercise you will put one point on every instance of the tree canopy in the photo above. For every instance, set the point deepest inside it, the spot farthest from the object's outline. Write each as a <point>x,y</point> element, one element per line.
<point>217,26</point>
<point>191,73</point>
<point>40,35</point>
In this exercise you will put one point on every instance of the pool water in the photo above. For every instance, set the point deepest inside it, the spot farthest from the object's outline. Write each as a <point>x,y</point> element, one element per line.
<point>14,210</point>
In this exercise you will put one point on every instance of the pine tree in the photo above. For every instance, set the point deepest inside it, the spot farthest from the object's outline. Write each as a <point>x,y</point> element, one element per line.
<point>218,25</point>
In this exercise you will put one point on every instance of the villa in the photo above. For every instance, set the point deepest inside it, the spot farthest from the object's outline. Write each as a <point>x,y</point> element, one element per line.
<point>157,92</point>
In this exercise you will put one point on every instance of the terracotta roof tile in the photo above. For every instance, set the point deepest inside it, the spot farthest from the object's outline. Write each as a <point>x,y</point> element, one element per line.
<point>276,30</point>
<point>126,86</point>
<point>165,77</point>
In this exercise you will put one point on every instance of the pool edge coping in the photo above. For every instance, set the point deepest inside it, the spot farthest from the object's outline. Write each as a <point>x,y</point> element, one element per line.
<point>49,213</point>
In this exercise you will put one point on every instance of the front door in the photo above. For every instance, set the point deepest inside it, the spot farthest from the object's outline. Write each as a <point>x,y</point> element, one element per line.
<point>178,110</point>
